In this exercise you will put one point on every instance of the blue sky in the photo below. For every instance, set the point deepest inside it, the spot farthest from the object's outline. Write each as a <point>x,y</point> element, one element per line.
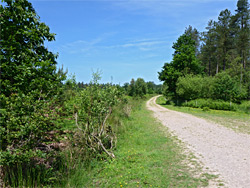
<point>123,38</point>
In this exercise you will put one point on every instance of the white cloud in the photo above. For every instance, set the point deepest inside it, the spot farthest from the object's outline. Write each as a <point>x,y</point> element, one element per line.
<point>98,44</point>
<point>142,44</point>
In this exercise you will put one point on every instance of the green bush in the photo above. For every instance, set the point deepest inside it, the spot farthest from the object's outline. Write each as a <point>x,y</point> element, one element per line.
<point>221,87</point>
<point>28,130</point>
<point>245,107</point>
<point>205,109</point>
<point>211,104</point>
<point>91,107</point>
<point>193,87</point>
<point>228,89</point>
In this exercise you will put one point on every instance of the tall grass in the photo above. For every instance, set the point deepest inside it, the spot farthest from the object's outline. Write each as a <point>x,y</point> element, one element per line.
<point>23,175</point>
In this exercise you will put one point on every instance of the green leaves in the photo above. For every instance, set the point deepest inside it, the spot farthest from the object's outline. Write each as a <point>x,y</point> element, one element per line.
<point>227,88</point>
<point>222,87</point>
<point>91,107</point>
<point>193,87</point>
<point>184,62</point>
<point>24,59</point>
<point>30,88</point>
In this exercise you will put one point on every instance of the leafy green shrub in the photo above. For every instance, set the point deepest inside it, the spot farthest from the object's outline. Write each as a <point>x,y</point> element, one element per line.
<point>193,87</point>
<point>221,87</point>
<point>211,104</point>
<point>226,88</point>
<point>91,108</point>
<point>27,133</point>
<point>245,106</point>
<point>205,109</point>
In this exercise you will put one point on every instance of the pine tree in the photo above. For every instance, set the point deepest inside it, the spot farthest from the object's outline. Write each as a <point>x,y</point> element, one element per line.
<point>242,20</point>
<point>208,49</point>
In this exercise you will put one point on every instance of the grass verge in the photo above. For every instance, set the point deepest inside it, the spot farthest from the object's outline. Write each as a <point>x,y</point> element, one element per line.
<point>146,156</point>
<point>238,121</point>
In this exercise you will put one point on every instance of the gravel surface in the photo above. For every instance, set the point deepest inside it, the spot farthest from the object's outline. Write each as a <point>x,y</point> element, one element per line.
<point>220,149</point>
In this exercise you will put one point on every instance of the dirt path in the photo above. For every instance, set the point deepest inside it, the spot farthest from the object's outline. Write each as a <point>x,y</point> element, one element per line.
<point>218,148</point>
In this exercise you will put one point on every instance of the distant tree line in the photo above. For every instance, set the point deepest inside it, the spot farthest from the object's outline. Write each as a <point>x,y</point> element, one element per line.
<point>136,88</point>
<point>140,88</point>
<point>214,63</point>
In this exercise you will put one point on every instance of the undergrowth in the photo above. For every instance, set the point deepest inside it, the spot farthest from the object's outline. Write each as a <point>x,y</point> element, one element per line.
<point>207,104</point>
<point>146,156</point>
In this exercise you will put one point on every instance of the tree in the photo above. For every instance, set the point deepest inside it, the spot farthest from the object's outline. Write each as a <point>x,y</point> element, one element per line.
<point>131,88</point>
<point>195,35</point>
<point>169,75</point>
<point>29,89</point>
<point>217,49</point>
<point>184,62</point>
<point>208,48</point>
<point>151,87</point>
<point>224,39</point>
<point>26,64</point>
<point>126,86</point>
<point>140,87</point>
<point>184,56</point>
<point>242,20</point>
<point>241,23</point>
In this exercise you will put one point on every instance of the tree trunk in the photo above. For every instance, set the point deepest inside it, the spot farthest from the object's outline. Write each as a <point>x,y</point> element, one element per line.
<point>217,68</point>
<point>209,67</point>
<point>224,64</point>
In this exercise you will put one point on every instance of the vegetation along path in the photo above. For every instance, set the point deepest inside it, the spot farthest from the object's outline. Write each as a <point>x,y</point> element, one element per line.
<point>220,149</point>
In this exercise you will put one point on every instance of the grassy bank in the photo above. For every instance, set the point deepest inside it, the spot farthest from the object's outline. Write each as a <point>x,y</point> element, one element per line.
<point>146,156</point>
<point>238,121</point>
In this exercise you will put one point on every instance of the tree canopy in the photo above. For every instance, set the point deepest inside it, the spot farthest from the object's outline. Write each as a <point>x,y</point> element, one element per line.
<point>223,47</point>
<point>184,62</point>
<point>26,64</point>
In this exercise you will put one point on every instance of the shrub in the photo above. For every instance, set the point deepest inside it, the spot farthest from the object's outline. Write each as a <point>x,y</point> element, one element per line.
<point>211,104</point>
<point>193,87</point>
<point>226,88</point>
<point>91,107</point>
<point>27,133</point>
<point>245,107</point>
<point>205,109</point>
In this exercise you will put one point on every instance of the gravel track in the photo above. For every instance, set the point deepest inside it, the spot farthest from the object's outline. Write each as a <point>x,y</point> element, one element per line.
<point>220,149</point>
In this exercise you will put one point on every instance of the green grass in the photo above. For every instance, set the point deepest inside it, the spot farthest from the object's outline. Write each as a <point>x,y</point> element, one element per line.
<point>238,121</point>
<point>146,156</point>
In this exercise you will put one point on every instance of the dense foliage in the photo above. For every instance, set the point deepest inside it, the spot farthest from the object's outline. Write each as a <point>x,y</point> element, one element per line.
<point>184,62</point>
<point>213,64</point>
<point>30,89</point>
<point>222,87</point>
<point>37,139</point>
<point>140,88</point>
<point>91,107</point>
<point>48,125</point>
